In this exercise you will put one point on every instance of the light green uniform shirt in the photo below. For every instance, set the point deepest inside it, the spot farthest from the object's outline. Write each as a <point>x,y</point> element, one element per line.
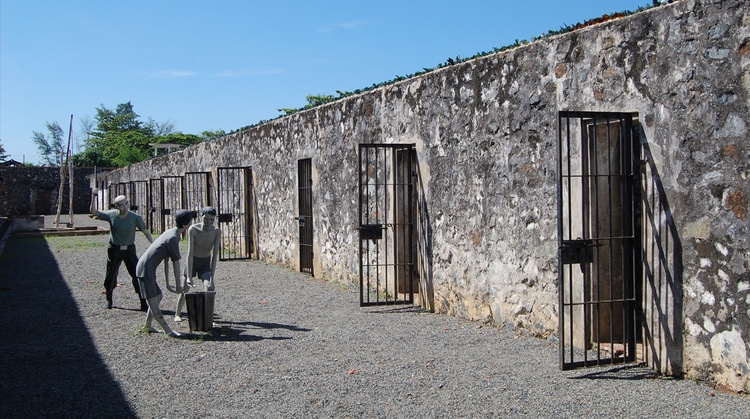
<point>122,230</point>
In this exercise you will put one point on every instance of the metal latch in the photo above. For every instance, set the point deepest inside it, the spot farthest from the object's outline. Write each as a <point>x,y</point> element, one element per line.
<point>579,251</point>
<point>371,231</point>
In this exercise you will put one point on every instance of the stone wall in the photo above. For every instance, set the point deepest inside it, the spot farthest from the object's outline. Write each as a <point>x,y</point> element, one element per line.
<point>486,137</point>
<point>34,191</point>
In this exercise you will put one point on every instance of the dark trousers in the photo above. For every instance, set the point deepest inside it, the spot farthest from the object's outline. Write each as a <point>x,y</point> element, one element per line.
<point>115,257</point>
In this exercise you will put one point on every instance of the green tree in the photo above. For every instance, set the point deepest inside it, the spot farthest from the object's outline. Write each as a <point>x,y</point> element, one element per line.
<point>212,135</point>
<point>317,100</point>
<point>160,128</point>
<point>313,101</point>
<point>86,126</point>
<point>50,146</point>
<point>118,139</point>
<point>179,138</point>
<point>89,158</point>
<point>3,156</point>
<point>122,119</point>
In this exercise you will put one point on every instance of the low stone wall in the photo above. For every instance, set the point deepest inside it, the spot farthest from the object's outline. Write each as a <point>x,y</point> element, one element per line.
<point>486,134</point>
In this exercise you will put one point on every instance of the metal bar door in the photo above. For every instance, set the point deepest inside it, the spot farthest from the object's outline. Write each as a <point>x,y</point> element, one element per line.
<point>155,205</point>
<point>234,205</point>
<point>172,199</point>
<point>139,197</point>
<point>197,191</point>
<point>305,217</point>
<point>598,238</point>
<point>386,224</point>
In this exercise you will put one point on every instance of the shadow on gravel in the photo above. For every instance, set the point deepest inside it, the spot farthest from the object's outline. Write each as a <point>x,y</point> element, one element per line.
<point>235,335</point>
<point>49,366</point>
<point>626,372</point>
<point>226,333</point>
<point>399,309</point>
<point>260,325</point>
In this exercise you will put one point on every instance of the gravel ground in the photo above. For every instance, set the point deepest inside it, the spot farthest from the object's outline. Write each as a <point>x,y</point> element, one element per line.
<point>286,345</point>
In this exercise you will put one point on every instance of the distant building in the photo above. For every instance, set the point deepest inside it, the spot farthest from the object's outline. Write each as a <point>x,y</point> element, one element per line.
<point>11,163</point>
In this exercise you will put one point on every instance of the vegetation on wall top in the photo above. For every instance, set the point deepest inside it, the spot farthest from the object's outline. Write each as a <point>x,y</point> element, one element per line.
<point>317,100</point>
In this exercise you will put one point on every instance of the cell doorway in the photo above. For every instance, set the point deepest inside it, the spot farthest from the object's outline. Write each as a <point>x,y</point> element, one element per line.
<point>387,233</point>
<point>599,240</point>
<point>235,209</point>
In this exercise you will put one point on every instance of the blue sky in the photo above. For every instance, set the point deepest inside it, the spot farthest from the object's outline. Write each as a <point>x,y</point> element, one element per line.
<point>225,64</point>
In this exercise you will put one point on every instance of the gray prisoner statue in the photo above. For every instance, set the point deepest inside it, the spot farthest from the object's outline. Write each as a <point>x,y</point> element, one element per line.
<point>122,226</point>
<point>166,246</point>
<point>204,240</point>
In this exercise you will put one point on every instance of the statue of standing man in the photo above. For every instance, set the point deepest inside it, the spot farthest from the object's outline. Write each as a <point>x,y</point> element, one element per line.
<point>167,246</point>
<point>204,240</point>
<point>122,226</point>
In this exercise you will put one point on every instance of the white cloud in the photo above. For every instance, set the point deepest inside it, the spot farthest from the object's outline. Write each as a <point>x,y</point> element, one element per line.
<point>171,74</point>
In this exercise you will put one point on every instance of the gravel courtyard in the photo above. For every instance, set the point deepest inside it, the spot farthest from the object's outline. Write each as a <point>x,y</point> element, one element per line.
<point>285,345</point>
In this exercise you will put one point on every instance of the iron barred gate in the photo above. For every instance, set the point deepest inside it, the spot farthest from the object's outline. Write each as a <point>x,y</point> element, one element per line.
<point>139,198</point>
<point>305,217</point>
<point>387,244</point>
<point>156,205</point>
<point>172,199</point>
<point>197,192</point>
<point>598,235</point>
<point>234,206</point>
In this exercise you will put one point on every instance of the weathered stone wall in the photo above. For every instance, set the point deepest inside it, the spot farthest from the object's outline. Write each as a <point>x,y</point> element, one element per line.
<point>34,191</point>
<point>486,139</point>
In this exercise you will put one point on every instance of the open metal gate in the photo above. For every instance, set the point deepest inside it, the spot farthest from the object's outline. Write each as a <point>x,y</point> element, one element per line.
<point>598,235</point>
<point>155,205</point>
<point>234,206</point>
<point>197,191</point>
<point>387,244</point>
<point>171,198</point>
<point>305,217</point>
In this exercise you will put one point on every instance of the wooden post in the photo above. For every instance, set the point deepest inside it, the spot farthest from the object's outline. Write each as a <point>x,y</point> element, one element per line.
<point>64,158</point>
<point>70,172</point>
<point>60,191</point>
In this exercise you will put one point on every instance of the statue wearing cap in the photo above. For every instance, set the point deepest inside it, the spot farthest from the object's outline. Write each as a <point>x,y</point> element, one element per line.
<point>122,226</point>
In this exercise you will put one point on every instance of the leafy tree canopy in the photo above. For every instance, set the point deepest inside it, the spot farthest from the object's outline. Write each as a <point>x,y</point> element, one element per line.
<point>115,138</point>
<point>122,119</point>
<point>3,156</point>
<point>212,135</point>
<point>120,138</point>
<point>50,145</point>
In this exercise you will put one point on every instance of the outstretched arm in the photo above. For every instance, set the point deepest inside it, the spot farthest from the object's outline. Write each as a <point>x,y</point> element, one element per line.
<point>141,225</point>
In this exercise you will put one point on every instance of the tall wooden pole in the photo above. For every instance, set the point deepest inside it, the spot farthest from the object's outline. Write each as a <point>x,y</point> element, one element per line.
<point>70,172</point>
<point>64,157</point>
<point>60,190</point>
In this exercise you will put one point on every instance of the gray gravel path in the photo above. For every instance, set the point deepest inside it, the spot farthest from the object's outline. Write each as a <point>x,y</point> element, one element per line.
<point>286,345</point>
